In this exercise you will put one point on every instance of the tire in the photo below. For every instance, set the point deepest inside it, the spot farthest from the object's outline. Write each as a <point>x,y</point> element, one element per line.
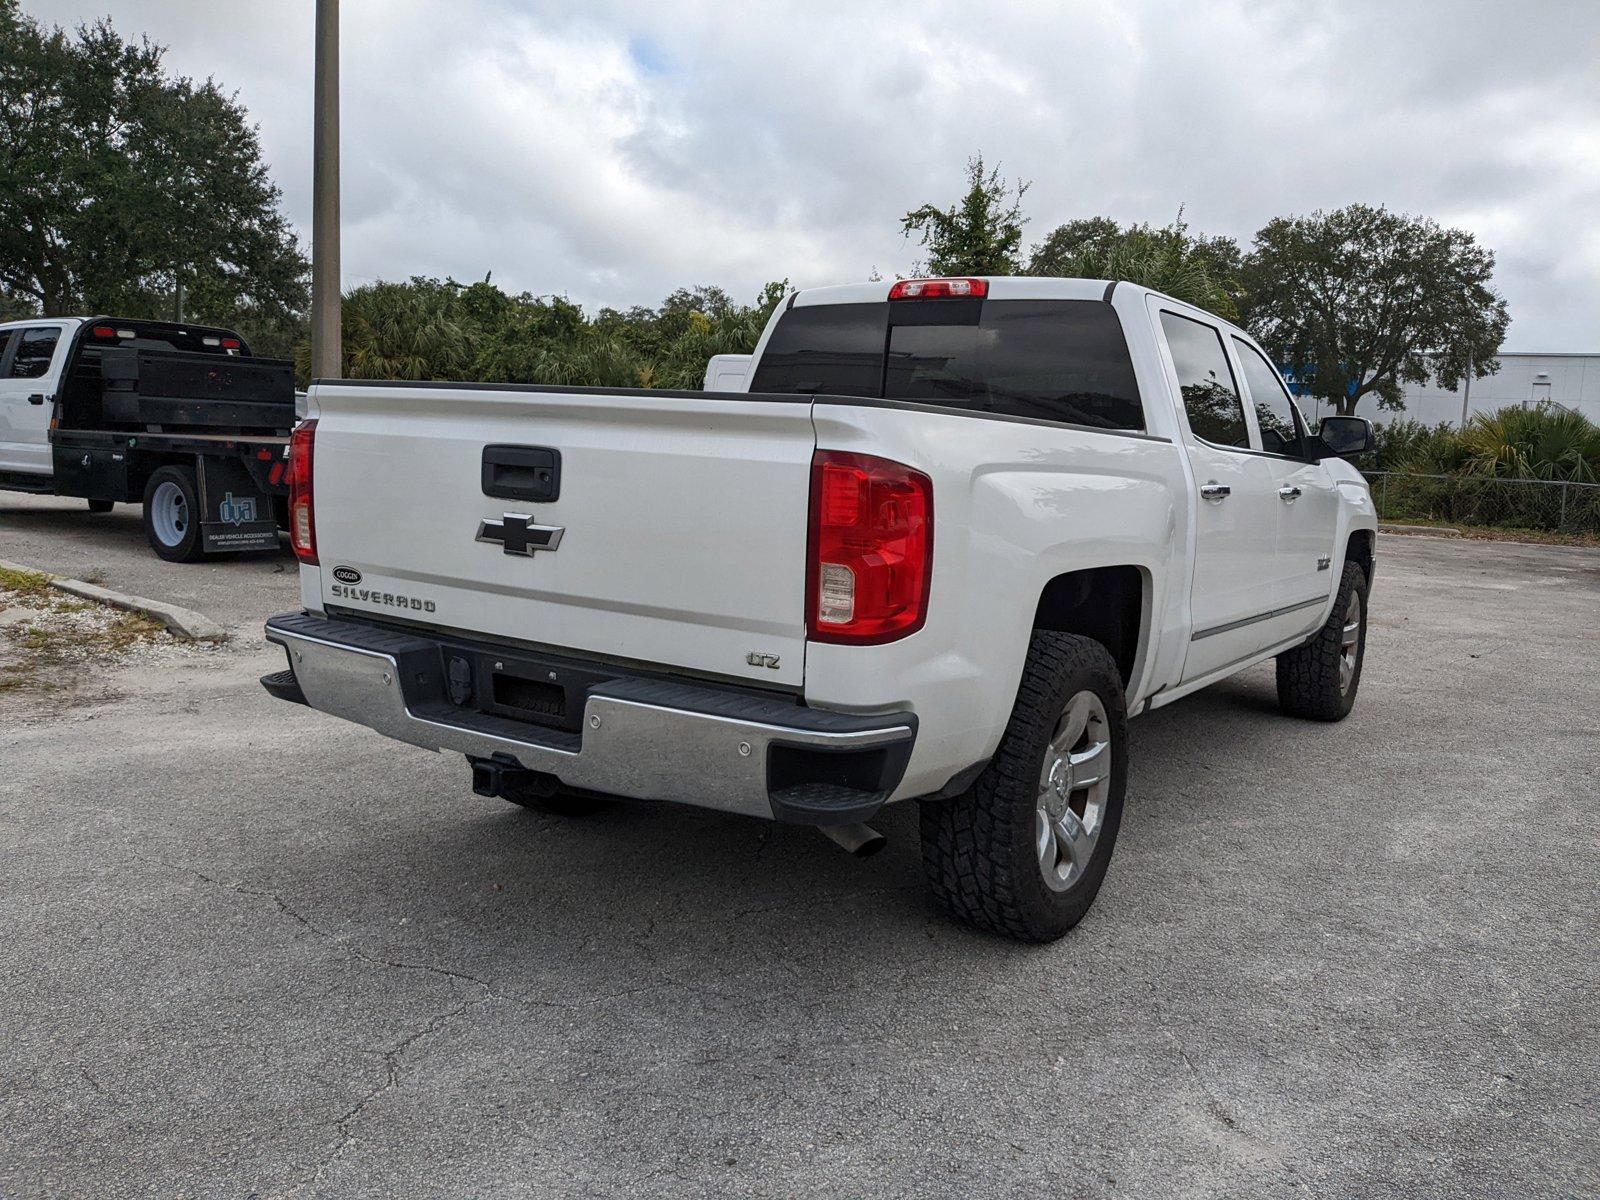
<point>563,802</point>
<point>1319,680</point>
<point>986,851</point>
<point>101,506</point>
<point>172,515</point>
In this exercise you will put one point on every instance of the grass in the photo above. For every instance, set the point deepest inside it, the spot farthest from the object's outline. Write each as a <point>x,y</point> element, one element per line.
<point>60,635</point>
<point>1497,533</point>
<point>24,584</point>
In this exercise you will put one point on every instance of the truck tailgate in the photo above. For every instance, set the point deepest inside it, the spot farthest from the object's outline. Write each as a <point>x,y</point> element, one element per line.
<point>683,521</point>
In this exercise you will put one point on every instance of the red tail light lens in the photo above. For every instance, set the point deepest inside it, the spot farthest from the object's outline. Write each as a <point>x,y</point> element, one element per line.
<point>230,343</point>
<point>302,512</point>
<point>871,549</point>
<point>939,289</point>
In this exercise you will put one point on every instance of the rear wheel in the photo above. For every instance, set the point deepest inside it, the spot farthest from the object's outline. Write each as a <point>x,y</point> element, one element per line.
<point>172,515</point>
<point>1024,851</point>
<point>101,506</point>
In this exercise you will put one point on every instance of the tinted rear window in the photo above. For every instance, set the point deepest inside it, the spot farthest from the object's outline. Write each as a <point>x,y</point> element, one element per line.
<point>155,336</point>
<point>832,348</point>
<point>1054,360</point>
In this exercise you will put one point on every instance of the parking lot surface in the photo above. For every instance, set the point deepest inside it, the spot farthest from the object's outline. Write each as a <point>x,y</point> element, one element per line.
<point>60,535</point>
<point>250,950</point>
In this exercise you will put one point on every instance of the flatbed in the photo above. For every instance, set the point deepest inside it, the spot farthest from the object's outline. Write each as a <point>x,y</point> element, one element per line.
<point>181,419</point>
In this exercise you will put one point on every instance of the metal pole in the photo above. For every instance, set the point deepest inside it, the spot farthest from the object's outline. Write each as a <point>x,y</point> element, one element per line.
<point>326,349</point>
<point>1561,522</point>
<point>177,300</point>
<point>1466,393</point>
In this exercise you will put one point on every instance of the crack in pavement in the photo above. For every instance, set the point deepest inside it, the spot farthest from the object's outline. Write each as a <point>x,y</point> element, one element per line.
<point>325,934</point>
<point>1257,1144</point>
<point>391,1081</point>
<point>390,1056</point>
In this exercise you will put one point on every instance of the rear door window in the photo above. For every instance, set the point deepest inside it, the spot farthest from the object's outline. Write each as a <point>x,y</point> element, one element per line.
<point>1210,393</point>
<point>835,349</point>
<point>1054,360</point>
<point>1275,413</point>
<point>35,348</point>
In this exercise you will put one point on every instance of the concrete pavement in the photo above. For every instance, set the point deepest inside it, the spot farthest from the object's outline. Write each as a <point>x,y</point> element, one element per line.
<point>60,535</point>
<point>251,950</point>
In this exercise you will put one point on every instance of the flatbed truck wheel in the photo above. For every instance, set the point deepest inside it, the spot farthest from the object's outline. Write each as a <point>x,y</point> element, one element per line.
<point>172,514</point>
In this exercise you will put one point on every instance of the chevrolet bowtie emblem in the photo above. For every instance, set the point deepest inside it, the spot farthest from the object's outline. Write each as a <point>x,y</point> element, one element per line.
<point>517,534</point>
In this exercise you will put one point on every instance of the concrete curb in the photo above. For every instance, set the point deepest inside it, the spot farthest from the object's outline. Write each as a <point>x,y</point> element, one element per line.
<point>181,622</point>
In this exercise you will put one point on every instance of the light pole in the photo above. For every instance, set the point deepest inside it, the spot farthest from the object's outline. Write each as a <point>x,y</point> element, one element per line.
<point>326,349</point>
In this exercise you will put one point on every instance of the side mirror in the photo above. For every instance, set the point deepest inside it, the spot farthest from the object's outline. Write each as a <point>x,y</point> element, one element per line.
<point>1343,437</point>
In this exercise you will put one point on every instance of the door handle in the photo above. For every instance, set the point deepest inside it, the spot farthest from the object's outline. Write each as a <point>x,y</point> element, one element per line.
<point>1289,494</point>
<point>1215,491</point>
<point>36,398</point>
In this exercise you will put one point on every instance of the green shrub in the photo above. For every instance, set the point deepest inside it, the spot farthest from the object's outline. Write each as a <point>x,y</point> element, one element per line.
<point>1499,471</point>
<point>440,329</point>
<point>1405,441</point>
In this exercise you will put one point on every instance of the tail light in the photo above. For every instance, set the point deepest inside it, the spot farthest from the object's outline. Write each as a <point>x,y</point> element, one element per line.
<point>302,511</point>
<point>939,289</point>
<point>871,549</point>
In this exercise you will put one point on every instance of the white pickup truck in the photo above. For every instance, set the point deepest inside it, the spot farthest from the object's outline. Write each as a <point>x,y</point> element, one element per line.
<point>951,537</point>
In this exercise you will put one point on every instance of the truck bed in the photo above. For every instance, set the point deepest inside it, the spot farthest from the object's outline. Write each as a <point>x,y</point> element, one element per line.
<point>152,390</point>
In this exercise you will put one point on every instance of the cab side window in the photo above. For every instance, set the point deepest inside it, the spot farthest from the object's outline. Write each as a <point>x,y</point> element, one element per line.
<point>34,350</point>
<point>1210,394</point>
<point>1282,430</point>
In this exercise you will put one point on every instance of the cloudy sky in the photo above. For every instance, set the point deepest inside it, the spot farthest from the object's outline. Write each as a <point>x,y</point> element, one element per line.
<point>611,150</point>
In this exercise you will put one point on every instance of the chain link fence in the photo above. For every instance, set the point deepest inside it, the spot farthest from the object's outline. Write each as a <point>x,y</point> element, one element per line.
<point>1542,504</point>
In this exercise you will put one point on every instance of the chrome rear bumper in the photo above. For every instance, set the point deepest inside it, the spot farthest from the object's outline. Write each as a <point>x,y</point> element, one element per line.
<point>643,737</point>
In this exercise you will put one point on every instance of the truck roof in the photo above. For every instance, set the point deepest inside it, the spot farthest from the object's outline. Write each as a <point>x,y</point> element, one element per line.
<point>1001,287</point>
<point>101,331</point>
<point>143,322</point>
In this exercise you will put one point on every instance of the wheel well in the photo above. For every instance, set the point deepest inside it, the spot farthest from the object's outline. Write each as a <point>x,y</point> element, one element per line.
<point>1359,550</point>
<point>1103,603</point>
<point>148,464</point>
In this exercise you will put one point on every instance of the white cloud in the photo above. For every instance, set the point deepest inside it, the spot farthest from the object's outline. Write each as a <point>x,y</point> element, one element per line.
<point>615,149</point>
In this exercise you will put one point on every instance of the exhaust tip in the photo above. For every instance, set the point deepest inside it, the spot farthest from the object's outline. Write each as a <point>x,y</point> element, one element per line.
<point>858,841</point>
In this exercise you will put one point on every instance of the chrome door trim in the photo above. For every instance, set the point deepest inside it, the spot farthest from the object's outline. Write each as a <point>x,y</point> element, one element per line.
<point>1266,616</point>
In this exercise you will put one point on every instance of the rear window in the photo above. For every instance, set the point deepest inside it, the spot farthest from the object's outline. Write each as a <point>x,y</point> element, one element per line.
<point>1053,360</point>
<point>143,335</point>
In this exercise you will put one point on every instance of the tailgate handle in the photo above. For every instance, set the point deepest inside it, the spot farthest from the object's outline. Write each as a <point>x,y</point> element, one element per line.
<point>531,473</point>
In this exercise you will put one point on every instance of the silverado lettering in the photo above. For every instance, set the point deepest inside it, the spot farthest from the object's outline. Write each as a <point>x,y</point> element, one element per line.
<point>345,592</point>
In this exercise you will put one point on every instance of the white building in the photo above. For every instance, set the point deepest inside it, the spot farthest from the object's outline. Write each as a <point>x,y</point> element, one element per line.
<point>1570,380</point>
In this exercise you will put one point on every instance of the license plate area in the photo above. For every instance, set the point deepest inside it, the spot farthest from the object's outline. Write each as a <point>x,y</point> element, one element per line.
<point>538,689</point>
<point>534,698</point>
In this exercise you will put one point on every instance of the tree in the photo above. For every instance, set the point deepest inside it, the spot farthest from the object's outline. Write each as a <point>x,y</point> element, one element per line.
<point>440,329</point>
<point>1362,301</point>
<point>1204,271</point>
<point>119,184</point>
<point>978,236</point>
